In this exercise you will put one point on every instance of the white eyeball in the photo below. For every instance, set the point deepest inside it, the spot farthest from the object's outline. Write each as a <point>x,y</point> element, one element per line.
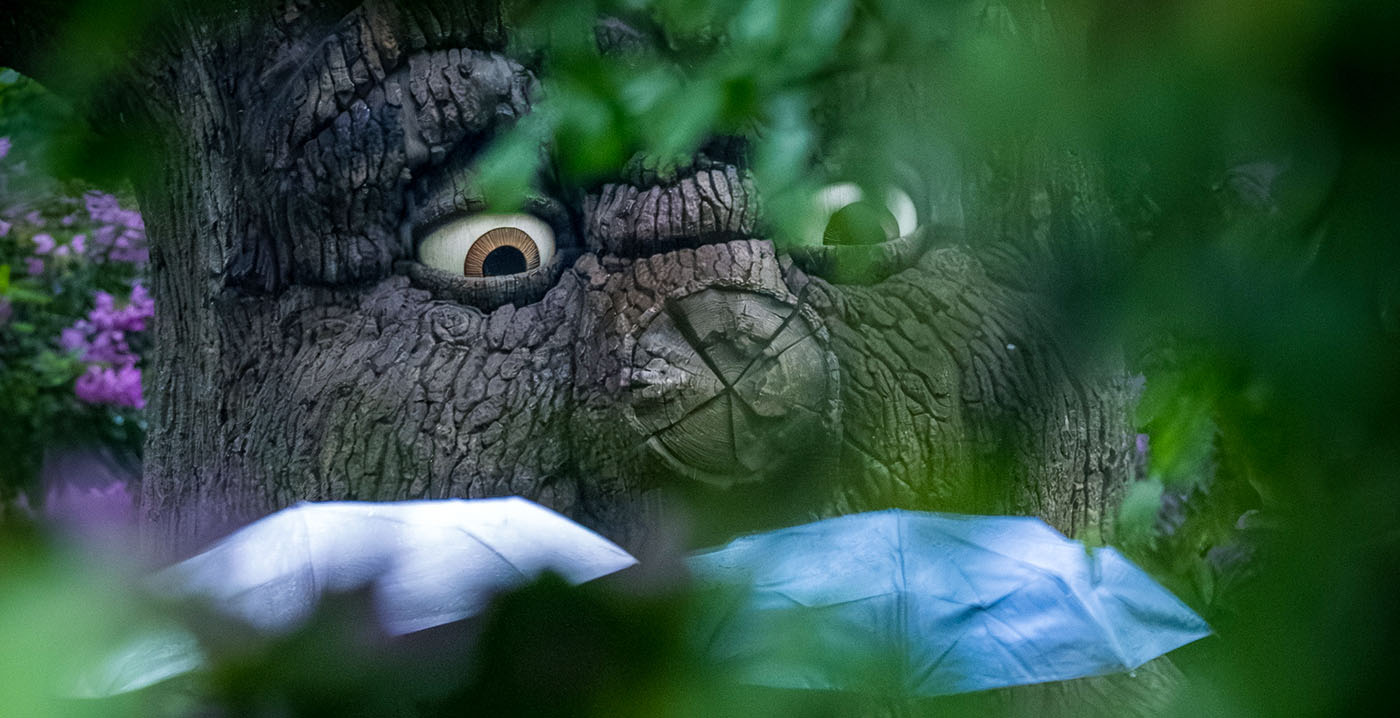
<point>489,245</point>
<point>841,215</point>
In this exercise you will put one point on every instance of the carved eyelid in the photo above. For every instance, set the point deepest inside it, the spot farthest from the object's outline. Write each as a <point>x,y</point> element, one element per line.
<point>863,264</point>
<point>446,196</point>
<point>860,263</point>
<point>834,197</point>
<point>489,293</point>
<point>447,192</point>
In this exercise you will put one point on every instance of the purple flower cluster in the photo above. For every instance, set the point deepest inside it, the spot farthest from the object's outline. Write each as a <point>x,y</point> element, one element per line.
<point>112,376</point>
<point>46,245</point>
<point>115,234</point>
<point>61,333</point>
<point>120,386</point>
<point>121,233</point>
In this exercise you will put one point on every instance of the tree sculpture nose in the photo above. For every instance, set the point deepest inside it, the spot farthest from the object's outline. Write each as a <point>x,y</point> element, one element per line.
<point>728,385</point>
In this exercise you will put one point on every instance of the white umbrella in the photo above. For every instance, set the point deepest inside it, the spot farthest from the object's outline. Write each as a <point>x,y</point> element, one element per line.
<point>425,563</point>
<point>156,654</point>
<point>428,562</point>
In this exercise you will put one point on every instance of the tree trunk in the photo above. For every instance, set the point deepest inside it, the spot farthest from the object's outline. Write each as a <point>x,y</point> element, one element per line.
<point>666,360</point>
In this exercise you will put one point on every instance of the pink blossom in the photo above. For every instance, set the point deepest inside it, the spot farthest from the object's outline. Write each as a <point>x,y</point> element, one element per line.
<point>109,347</point>
<point>74,338</point>
<point>104,301</point>
<point>142,303</point>
<point>105,385</point>
<point>121,233</point>
<point>79,243</point>
<point>43,243</point>
<point>112,376</point>
<point>34,265</point>
<point>100,205</point>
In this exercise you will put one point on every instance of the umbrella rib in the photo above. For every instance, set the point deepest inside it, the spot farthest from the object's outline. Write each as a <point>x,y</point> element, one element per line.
<point>901,600</point>
<point>466,532</point>
<point>1024,639</point>
<point>1093,606</point>
<point>831,604</point>
<point>1027,564</point>
<point>989,549</point>
<point>970,586</point>
<point>1088,604</point>
<point>937,663</point>
<point>310,556</point>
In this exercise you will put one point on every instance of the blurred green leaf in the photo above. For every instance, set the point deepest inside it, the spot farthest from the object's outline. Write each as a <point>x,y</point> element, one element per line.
<point>1137,517</point>
<point>18,292</point>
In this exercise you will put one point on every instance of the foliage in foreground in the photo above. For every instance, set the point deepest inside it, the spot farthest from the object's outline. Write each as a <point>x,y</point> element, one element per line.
<point>1248,155</point>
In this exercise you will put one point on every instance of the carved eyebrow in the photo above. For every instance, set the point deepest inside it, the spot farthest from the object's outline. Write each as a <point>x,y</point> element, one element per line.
<point>446,191</point>
<point>714,204</point>
<point>359,51</point>
<point>458,94</point>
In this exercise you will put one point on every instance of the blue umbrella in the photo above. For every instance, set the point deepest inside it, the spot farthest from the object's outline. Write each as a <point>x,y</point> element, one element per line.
<point>925,604</point>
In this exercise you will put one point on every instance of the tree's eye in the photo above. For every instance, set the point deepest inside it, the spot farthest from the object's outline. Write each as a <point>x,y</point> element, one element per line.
<point>488,245</point>
<point>842,215</point>
<point>862,240</point>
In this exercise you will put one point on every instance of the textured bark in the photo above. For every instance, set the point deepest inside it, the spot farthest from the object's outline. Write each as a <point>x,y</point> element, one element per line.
<point>668,356</point>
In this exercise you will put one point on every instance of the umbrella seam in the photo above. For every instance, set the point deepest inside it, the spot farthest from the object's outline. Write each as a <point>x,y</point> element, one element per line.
<point>1090,607</point>
<point>902,598</point>
<point>467,532</point>
<point>310,556</point>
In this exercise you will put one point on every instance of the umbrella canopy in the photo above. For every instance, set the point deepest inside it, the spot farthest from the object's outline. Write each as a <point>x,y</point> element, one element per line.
<point>925,604</point>
<point>154,655</point>
<point>429,562</point>
<point>426,563</point>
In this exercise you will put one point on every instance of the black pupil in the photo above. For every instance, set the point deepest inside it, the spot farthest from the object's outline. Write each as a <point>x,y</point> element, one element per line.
<point>503,260</point>
<point>860,223</point>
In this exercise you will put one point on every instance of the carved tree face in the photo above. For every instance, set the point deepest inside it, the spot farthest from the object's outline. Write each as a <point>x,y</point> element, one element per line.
<point>381,338</point>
